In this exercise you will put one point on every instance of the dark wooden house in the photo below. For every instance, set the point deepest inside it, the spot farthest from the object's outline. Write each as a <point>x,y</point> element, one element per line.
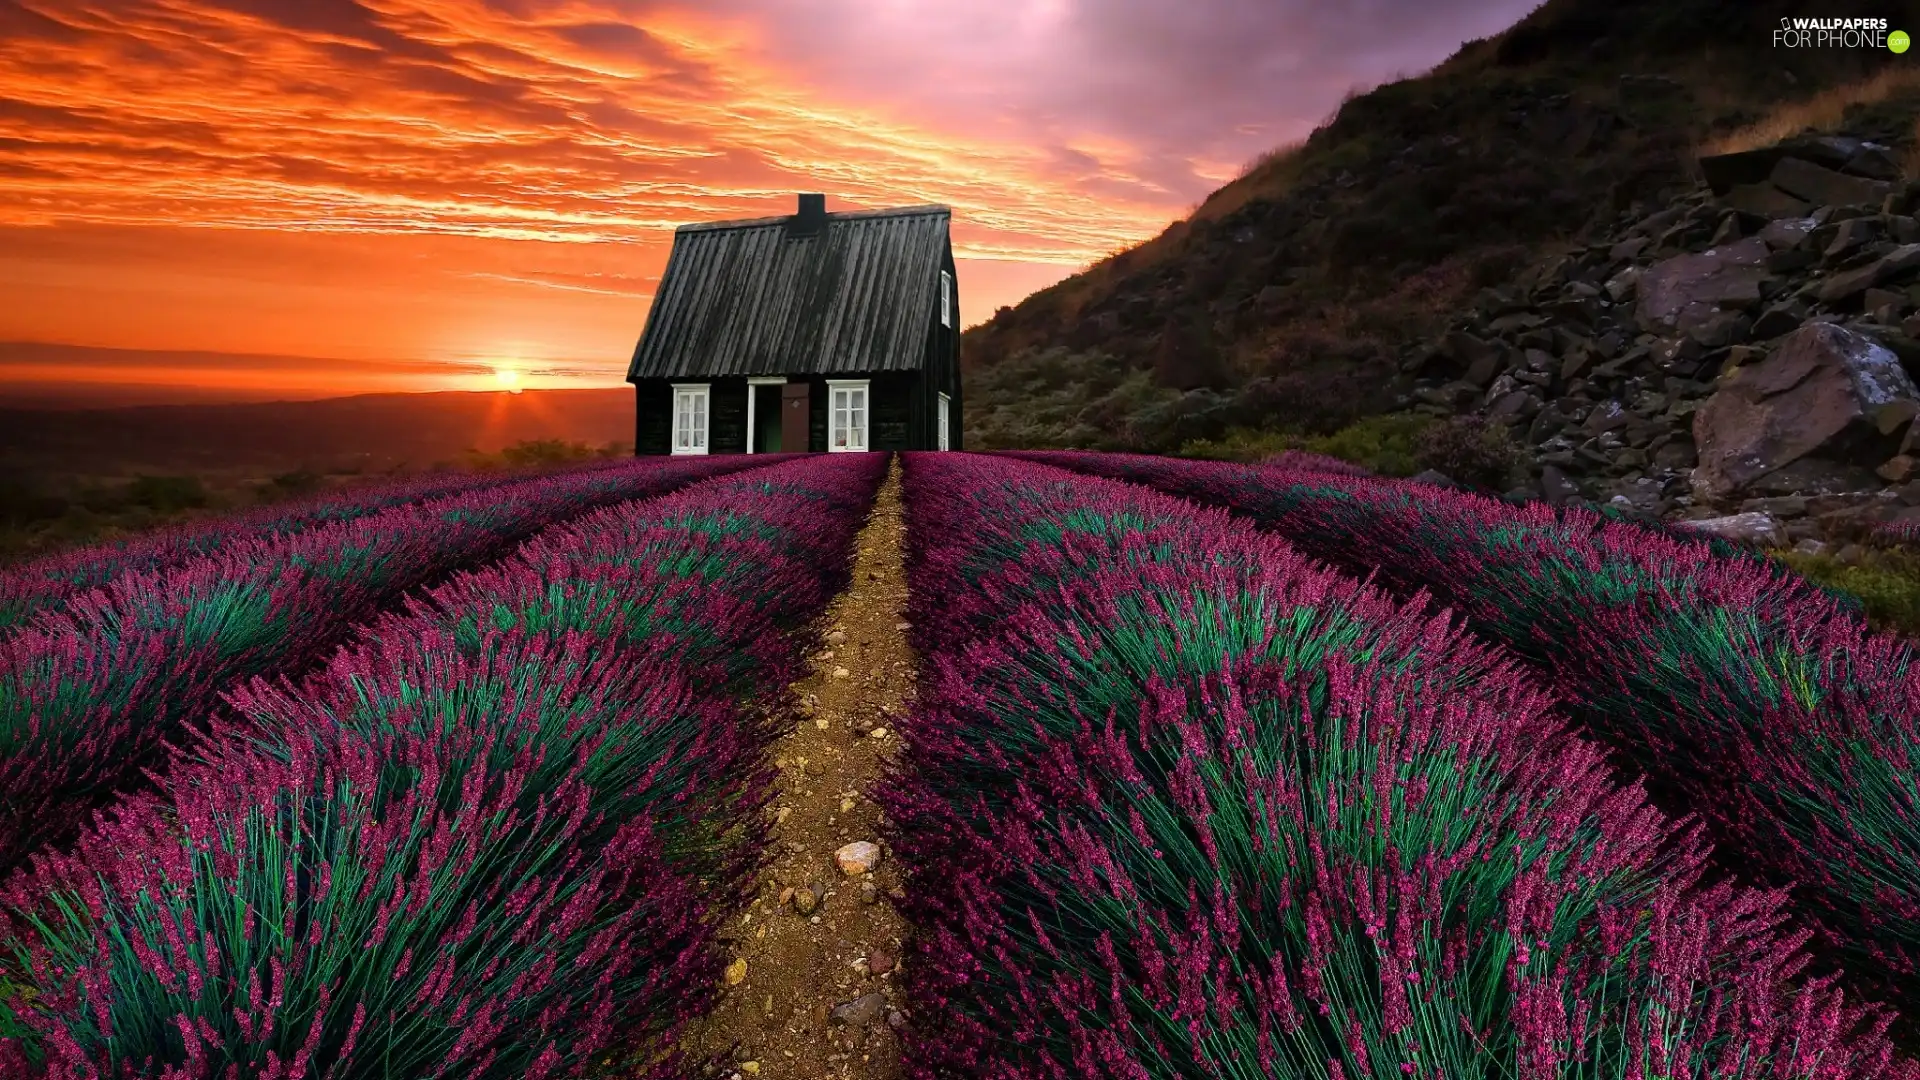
<point>817,331</point>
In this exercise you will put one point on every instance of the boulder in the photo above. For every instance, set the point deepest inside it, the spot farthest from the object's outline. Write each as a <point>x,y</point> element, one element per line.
<point>1750,528</point>
<point>1764,202</point>
<point>1787,232</point>
<point>1825,187</point>
<point>1555,487</point>
<point>1687,291</point>
<point>1849,283</point>
<point>1724,172</point>
<point>1819,391</point>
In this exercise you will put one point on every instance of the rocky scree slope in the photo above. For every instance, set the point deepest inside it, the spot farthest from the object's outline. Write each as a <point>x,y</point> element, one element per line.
<point>1743,358</point>
<point>1290,293</point>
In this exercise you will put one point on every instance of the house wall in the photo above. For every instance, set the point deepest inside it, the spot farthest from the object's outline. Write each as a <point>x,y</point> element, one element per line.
<point>898,420</point>
<point>942,365</point>
<point>727,422</point>
<point>890,397</point>
<point>652,424</point>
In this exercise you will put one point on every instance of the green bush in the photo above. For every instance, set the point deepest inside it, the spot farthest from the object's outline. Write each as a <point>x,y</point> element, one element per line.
<point>289,484</point>
<point>1887,584</point>
<point>1386,444</point>
<point>1473,451</point>
<point>167,494</point>
<point>1242,444</point>
<point>544,452</point>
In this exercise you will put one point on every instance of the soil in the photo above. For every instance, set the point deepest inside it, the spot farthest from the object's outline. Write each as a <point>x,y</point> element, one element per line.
<point>778,1020</point>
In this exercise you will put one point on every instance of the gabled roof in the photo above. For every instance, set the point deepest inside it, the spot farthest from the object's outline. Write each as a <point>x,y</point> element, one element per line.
<point>754,298</point>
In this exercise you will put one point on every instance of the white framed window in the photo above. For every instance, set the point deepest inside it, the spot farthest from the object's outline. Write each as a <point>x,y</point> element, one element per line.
<point>946,298</point>
<point>943,420</point>
<point>846,415</point>
<point>690,418</point>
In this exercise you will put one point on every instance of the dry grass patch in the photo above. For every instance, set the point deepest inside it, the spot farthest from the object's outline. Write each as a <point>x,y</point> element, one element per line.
<point>1823,111</point>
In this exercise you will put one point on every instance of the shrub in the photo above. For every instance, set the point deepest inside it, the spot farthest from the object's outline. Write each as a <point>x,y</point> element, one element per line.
<point>1176,802</point>
<point>1746,693</point>
<point>167,494</point>
<point>1473,451</point>
<point>46,584</point>
<point>488,852</point>
<point>1886,584</point>
<point>1387,444</point>
<point>88,693</point>
<point>295,483</point>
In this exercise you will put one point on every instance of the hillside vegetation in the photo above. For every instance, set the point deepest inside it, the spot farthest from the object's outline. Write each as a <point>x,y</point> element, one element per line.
<point>1286,302</point>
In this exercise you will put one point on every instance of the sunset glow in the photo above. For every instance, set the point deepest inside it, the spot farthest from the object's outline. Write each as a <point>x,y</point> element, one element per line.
<point>409,184</point>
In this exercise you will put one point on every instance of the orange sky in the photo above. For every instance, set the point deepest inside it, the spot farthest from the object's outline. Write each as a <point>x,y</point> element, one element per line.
<point>425,189</point>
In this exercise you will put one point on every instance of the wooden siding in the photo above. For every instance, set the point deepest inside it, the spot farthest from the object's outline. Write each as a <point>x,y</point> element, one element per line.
<point>727,416</point>
<point>652,423</point>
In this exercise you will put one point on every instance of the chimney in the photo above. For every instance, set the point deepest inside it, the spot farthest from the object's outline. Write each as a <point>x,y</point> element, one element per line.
<point>811,216</point>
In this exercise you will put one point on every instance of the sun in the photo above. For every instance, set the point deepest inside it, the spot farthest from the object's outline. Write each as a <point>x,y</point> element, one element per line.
<point>508,378</point>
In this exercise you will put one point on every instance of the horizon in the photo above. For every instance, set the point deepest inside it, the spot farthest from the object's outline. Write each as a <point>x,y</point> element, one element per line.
<point>480,194</point>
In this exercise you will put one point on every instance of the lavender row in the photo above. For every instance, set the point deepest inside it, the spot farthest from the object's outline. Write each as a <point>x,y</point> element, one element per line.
<point>1178,801</point>
<point>492,838</point>
<point>1745,693</point>
<point>87,695</point>
<point>46,584</point>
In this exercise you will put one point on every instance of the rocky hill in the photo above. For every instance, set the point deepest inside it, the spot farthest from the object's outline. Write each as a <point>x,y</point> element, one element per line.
<point>1296,295</point>
<point>1742,354</point>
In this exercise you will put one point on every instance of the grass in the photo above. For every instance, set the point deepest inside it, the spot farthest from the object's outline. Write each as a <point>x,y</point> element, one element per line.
<point>1824,111</point>
<point>1886,581</point>
<point>1387,444</point>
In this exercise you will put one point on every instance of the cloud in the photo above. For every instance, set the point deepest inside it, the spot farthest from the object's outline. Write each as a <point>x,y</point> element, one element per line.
<point>537,153</point>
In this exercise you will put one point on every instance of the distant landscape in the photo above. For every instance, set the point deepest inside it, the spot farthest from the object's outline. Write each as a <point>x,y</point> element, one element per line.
<point>71,475</point>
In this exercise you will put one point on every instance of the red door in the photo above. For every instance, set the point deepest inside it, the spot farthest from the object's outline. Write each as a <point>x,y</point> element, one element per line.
<point>794,413</point>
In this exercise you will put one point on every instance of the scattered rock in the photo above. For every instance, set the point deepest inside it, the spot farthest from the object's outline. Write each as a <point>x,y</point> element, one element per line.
<point>879,961</point>
<point>869,893</point>
<point>806,898</point>
<point>1818,391</point>
<point>1683,292</point>
<point>842,673</point>
<point>837,637</point>
<point>1555,487</point>
<point>861,1011</point>
<point>1754,528</point>
<point>857,858</point>
<point>1822,186</point>
<point>737,972</point>
<point>896,1019</point>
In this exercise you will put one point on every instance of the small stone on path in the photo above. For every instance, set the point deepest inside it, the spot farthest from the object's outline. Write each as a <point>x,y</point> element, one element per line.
<point>737,972</point>
<point>857,858</point>
<point>861,1011</point>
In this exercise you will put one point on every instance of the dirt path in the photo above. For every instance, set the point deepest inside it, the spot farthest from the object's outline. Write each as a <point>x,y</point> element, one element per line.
<point>811,992</point>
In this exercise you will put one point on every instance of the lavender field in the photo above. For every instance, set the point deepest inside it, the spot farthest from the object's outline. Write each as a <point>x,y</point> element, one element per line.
<point>1211,771</point>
